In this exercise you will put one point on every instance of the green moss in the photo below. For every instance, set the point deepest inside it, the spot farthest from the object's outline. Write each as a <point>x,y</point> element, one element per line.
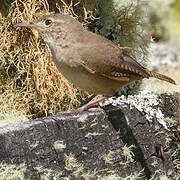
<point>124,23</point>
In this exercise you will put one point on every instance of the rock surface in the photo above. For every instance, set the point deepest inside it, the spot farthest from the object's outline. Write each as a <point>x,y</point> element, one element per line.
<point>117,142</point>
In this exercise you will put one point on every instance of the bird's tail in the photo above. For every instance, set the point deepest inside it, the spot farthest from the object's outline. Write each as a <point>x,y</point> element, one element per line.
<point>161,77</point>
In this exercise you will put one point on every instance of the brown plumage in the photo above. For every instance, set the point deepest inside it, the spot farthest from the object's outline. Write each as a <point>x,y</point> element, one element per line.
<point>161,77</point>
<point>88,60</point>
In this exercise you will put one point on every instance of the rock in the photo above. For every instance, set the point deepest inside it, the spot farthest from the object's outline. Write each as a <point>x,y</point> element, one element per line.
<point>114,143</point>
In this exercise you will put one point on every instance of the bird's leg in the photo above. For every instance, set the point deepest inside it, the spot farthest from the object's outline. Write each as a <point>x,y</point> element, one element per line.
<point>90,98</point>
<point>90,104</point>
<point>93,103</point>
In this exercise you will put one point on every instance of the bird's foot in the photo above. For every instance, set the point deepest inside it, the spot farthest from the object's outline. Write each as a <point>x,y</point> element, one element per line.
<point>92,104</point>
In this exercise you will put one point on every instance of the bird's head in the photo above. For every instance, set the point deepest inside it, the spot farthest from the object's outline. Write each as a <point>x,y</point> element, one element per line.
<point>53,26</point>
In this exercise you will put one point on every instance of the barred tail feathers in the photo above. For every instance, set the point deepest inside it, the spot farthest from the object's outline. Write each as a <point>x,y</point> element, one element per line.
<point>161,77</point>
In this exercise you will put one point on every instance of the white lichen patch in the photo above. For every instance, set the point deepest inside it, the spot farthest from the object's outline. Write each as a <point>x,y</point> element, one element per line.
<point>70,162</point>
<point>46,174</point>
<point>89,135</point>
<point>133,176</point>
<point>128,153</point>
<point>77,169</point>
<point>145,101</point>
<point>59,146</point>
<point>83,118</point>
<point>109,158</point>
<point>12,117</point>
<point>12,172</point>
<point>94,124</point>
<point>17,172</point>
<point>127,158</point>
<point>169,121</point>
<point>109,177</point>
<point>159,174</point>
<point>114,176</point>
<point>84,148</point>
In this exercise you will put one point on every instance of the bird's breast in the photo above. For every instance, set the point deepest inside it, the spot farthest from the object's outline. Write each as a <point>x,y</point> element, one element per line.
<point>68,63</point>
<point>91,83</point>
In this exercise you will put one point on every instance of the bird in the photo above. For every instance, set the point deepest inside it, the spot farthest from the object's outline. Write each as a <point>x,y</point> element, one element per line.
<point>88,60</point>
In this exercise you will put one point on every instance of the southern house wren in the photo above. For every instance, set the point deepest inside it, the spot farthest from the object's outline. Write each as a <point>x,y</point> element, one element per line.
<point>89,61</point>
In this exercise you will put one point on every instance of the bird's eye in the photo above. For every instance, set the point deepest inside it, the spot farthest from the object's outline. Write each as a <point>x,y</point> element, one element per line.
<point>48,22</point>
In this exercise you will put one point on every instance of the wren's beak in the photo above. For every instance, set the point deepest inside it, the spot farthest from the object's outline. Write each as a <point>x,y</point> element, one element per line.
<point>25,24</point>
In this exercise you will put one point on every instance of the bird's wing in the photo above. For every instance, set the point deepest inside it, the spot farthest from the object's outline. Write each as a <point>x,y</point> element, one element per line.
<point>105,58</point>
